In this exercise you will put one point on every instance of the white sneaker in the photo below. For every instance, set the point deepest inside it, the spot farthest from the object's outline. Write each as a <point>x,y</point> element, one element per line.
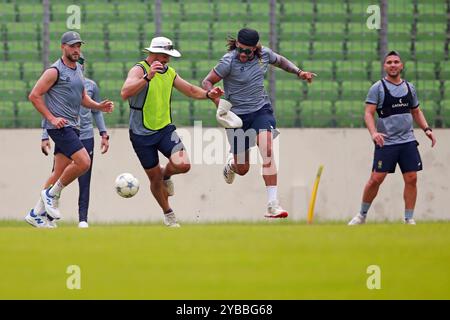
<point>51,224</point>
<point>169,187</point>
<point>83,225</point>
<point>228,173</point>
<point>51,204</point>
<point>409,221</point>
<point>36,220</point>
<point>358,219</point>
<point>274,210</point>
<point>170,220</point>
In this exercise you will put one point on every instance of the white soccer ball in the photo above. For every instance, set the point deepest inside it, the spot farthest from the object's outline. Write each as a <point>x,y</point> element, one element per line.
<point>126,185</point>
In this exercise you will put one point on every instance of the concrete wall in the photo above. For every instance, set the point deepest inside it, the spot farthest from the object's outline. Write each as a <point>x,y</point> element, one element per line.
<point>202,195</point>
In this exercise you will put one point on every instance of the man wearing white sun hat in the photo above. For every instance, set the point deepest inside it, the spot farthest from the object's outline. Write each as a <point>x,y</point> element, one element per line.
<point>148,88</point>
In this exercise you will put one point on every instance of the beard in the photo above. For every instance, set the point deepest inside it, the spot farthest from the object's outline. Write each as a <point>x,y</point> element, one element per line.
<point>72,58</point>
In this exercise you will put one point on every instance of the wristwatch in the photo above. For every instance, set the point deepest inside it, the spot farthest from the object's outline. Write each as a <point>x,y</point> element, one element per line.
<point>427,129</point>
<point>145,77</point>
<point>106,136</point>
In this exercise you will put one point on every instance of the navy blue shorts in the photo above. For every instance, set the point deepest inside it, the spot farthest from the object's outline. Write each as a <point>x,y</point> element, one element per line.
<point>406,155</point>
<point>242,139</point>
<point>165,141</point>
<point>67,140</point>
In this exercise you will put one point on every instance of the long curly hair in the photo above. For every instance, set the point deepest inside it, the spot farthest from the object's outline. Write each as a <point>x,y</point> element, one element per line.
<point>231,44</point>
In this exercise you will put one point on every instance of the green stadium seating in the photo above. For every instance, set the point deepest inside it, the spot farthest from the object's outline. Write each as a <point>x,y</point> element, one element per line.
<point>445,113</point>
<point>287,113</point>
<point>323,69</point>
<point>431,30</point>
<point>349,113</point>
<point>13,90</point>
<point>329,31</point>
<point>323,90</point>
<point>119,117</point>
<point>316,114</point>
<point>326,37</point>
<point>7,12</point>
<point>205,111</point>
<point>351,70</point>
<point>107,70</point>
<point>27,115</point>
<point>110,89</point>
<point>32,71</point>
<point>358,31</point>
<point>362,50</point>
<point>328,50</point>
<point>10,70</point>
<point>181,113</point>
<point>196,10</point>
<point>355,90</point>
<point>8,115</point>
<point>428,90</point>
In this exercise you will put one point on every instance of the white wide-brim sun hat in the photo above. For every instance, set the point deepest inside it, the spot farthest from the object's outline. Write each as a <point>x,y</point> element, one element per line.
<point>163,45</point>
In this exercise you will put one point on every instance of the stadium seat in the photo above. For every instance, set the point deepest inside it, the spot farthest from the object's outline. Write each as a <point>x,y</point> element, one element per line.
<point>231,11</point>
<point>95,32</point>
<point>31,12</point>
<point>355,90</point>
<point>205,111</point>
<point>430,50</point>
<point>447,90</point>
<point>349,113</point>
<point>293,10</point>
<point>140,11</point>
<point>32,71</point>
<point>429,109</point>
<point>13,90</point>
<point>107,70</point>
<point>351,70</point>
<point>362,50</point>
<point>10,70</point>
<point>287,113</point>
<point>315,114</point>
<point>292,88</point>
<point>444,70</point>
<point>226,28</point>
<point>195,30</point>
<point>358,31</point>
<point>323,90</point>
<point>27,115</point>
<point>99,11</point>
<point>323,69</point>
<point>445,113</point>
<point>331,12</point>
<point>426,70</point>
<point>328,50</point>
<point>119,118</point>
<point>110,89</point>
<point>428,90</point>
<point>196,10</point>
<point>124,50</point>
<point>183,67</point>
<point>24,31</point>
<point>431,30</point>
<point>181,113</point>
<point>329,31</point>
<point>7,12</point>
<point>298,30</point>
<point>8,114</point>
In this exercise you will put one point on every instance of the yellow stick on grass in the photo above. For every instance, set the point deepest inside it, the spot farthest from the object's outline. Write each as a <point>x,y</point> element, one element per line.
<point>312,201</point>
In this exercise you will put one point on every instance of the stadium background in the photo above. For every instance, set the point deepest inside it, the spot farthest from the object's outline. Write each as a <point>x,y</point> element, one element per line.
<point>327,37</point>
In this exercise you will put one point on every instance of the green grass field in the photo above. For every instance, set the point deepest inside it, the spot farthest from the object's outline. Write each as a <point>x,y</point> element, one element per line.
<point>226,261</point>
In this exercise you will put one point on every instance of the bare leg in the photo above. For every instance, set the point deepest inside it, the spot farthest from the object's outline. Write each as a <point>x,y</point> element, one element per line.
<point>80,164</point>
<point>265,143</point>
<point>372,186</point>
<point>410,191</point>
<point>157,187</point>
<point>178,163</point>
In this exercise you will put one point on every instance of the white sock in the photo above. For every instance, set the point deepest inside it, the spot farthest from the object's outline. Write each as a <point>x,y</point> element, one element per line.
<point>56,189</point>
<point>39,207</point>
<point>271,193</point>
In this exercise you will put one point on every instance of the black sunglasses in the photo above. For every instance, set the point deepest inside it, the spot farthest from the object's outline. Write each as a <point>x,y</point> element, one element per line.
<point>170,47</point>
<point>242,50</point>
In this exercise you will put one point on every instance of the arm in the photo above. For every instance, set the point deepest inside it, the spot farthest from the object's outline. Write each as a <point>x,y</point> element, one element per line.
<point>369,119</point>
<point>210,80</point>
<point>45,142</point>
<point>419,118</point>
<point>288,66</point>
<point>196,92</point>
<point>105,105</point>
<point>100,123</point>
<point>45,82</point>
<point>135,81</point>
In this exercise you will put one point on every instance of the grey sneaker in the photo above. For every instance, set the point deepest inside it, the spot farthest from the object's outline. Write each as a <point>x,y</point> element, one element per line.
<point>358,219</point>
<point>169,187</point>
<point>274,210</point>
<point>170,220</point>
<point>228,173</point>
<point>409,221</point>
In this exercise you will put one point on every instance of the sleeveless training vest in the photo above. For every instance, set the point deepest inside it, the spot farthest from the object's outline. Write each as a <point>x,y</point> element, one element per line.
<point>156,109</point>
<point>393,105</point>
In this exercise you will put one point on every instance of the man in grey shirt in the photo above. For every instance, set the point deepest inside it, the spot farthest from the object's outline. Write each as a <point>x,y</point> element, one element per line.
<point>242,70</point>
<point>57,95</point>
<point>395,101</point>
<point>87,139</point>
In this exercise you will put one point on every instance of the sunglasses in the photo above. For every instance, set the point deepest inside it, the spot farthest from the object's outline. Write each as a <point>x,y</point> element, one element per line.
<point>242,50</point>
<point>169,47</point>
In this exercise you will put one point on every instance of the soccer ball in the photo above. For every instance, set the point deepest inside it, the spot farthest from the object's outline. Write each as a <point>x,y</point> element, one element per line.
<point>126,185</point>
